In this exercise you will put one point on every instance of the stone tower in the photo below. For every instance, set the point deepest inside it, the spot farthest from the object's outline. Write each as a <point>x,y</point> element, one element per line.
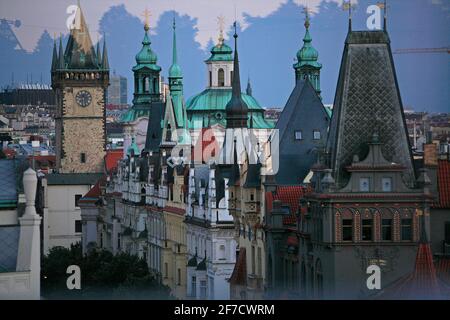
<point>80,77</point>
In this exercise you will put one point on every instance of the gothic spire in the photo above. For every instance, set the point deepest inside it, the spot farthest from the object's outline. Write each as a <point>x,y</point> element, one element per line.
<point>174,70</point>
<point>249,90</point>
<point>54,57</point>
<point>236,109</point>
<point>61,63</point>
<point>99,57</point>
<point>105,62</point>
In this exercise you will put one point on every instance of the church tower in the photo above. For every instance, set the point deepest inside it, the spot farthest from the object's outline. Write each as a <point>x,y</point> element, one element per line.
<point>80,78</point>
<point>307,66</point>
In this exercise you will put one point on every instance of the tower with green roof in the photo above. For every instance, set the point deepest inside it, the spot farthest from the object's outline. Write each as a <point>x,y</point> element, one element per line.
<point>208,107</point>
<point>307,66</point>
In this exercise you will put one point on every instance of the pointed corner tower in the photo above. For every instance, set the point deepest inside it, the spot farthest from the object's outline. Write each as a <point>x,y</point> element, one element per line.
<point>368,100</point>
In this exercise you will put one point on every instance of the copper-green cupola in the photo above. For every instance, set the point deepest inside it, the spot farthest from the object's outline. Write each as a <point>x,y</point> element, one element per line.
<point>307,66</point>
<point>146,73</point>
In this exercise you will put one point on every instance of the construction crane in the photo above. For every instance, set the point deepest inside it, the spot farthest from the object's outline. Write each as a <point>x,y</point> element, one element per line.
<point>422,50</point>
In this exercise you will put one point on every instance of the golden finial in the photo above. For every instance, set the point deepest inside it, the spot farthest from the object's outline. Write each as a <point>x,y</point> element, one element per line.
<point>306,11</point>
<point>146,14</point>
<point>221,23</point>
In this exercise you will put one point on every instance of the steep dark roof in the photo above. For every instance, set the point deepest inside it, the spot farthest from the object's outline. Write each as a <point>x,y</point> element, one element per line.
<point>154,129</point>
<point>304,111</point>
<point>367,100</point>
<point>80,53</point>
<point>192,261</point>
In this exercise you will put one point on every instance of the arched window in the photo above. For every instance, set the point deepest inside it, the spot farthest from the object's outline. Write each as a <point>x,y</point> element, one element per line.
<point>155,83</point>
<point>146,84</point>
<point>221,77</point>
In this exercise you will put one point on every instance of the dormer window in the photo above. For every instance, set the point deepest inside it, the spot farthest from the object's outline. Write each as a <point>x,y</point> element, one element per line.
<point>386,184</point>
<point>364,184</point>
<point>298,135</point>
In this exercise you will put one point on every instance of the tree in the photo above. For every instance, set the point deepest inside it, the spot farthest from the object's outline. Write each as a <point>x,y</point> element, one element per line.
<point>103,276</point>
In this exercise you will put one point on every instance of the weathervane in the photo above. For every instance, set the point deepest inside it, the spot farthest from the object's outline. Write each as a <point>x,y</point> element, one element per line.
<point>383,5</point>
<point>146,14</point>
<point>347,6</point>
<point>221,23</point>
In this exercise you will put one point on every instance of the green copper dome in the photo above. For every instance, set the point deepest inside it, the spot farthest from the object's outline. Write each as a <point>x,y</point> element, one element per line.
<point>307,55</point>
<point>221,52</point>
<point>146,57</point>
<point>209,106</point>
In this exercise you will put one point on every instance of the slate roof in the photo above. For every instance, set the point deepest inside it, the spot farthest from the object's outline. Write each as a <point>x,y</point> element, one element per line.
<point>9,246</point>
<point>303,111</point>
<point>73,178</point>
<point>154,129</point>
<point>8,185</point>
<point>367,100</point>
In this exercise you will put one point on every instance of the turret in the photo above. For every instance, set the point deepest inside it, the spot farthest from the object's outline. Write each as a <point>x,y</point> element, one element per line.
<point>307,66</point>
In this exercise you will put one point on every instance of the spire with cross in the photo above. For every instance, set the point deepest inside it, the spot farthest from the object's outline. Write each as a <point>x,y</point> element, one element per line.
<point>146,14</point>
<point>221,23</point>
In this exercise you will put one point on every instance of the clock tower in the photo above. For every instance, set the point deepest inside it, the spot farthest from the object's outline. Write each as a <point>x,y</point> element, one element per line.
<point>80,77</point>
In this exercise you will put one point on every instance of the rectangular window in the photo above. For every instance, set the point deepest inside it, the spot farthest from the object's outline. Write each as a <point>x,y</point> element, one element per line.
<point>366,230</point>
<point>78,228</point>
<point>77,198</point>
<point>347,230</point>
<point>386,229</point>
<point>406,229</point>
<point>386,184</point>
<point>210,78</point>
<point>194,287</point>
<point>316,135</point>
<point>83,157</point>
<point>166,270</point>
<point>179,277</point>
<point>364,184</point>
<point>298,135</point>
<point>203,289</point>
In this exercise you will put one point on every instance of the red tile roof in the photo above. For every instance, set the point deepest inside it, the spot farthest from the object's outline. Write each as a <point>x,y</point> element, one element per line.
<point>422,283</point>
<point>94,194</point>
<point>179,211</point>
<point>289,196</point>
<point>443,181</point>
<point>112,157</point>
<point>239,275</point>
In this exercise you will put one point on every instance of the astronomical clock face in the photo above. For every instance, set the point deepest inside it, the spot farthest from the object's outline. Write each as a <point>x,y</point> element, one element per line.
<point>83,98</point>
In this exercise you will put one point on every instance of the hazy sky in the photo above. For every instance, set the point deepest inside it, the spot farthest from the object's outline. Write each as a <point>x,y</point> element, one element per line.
<point>51,15</point>
<point>271,35</point>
